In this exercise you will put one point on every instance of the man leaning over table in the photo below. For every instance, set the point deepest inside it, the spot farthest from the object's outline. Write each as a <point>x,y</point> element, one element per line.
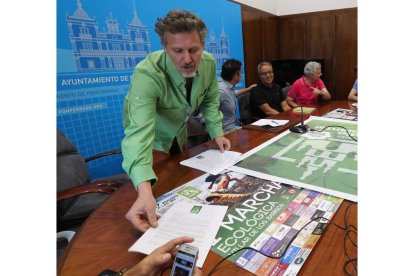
<point>165,88</point>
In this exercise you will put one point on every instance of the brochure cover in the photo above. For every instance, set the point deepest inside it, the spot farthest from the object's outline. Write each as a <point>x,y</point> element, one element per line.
<point>262,214</point>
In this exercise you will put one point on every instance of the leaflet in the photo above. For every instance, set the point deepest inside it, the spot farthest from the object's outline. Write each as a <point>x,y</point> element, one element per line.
<point>212,161</point>
<point>271,122</point>
<point>184,219</point>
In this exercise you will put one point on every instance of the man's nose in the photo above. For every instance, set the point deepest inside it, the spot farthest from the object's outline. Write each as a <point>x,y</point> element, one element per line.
<point>187,57</point>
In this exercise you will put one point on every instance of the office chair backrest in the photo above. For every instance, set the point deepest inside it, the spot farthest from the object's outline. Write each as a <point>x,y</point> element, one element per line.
<point>244,105</point>
<point>71,169</point>
<point>285,89</point>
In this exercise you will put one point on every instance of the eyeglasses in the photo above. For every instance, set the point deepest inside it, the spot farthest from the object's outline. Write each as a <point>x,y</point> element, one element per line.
<point>266,73</point>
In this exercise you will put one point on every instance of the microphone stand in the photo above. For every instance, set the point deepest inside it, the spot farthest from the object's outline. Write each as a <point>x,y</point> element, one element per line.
<point>302,128</point>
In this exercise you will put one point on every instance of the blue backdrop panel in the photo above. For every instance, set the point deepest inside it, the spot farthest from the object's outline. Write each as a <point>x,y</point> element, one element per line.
<point>98,45</point>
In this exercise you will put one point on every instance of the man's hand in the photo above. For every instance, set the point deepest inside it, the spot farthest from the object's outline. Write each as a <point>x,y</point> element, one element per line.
<point>223,143</point>
<point>316,91</point>
<point>160,259</point>
<point>252,86</point>
<point>142,213</point>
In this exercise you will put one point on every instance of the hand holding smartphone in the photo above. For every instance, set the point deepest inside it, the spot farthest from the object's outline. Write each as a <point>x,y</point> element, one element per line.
<point>185,260</point>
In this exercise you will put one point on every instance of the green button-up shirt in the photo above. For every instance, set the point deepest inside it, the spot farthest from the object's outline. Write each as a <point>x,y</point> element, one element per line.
<point>156,110</point>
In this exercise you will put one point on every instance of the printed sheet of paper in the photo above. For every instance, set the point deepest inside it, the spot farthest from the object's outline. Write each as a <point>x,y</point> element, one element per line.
<point>184,219</point>
<point>212,161</point>
<point>271,122</point>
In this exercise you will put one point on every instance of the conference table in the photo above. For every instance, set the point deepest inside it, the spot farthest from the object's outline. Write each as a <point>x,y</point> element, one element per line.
<point>103,240</point>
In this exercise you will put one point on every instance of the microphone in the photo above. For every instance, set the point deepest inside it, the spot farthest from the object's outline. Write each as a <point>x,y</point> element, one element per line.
<point>302,128</point>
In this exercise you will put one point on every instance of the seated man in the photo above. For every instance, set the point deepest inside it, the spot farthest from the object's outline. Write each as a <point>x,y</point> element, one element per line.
<point>353,94</point>
<point>309,88</point>
<point>267,98</point>
<point>230,76</point>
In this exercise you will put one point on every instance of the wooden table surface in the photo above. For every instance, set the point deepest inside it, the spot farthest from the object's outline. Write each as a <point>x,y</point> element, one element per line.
<point>103,240</point>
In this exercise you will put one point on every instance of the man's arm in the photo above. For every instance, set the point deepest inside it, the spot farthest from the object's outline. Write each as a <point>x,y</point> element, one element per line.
<point>268,110</point>
<point>285,105</point>
<point>223,143</point>
<point>322,92</point>
<point>210,108</point>
<point>291,95</point>
<point>353,95</point>
<point>139,123</point>
<point>210,105</point>
<point>290,102</point>
<point>142,213</point>
<point>245,90</point>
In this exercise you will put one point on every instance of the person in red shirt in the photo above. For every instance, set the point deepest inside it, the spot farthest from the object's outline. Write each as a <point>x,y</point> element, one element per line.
<point>309,88</point>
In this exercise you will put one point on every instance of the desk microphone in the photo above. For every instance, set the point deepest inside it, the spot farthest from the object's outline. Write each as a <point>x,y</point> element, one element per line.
<point>302,128</point>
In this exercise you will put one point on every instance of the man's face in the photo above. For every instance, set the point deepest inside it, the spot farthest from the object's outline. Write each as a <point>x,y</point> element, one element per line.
<point>316,75</point>
<point>266,75</point>
<point>185,51</point>
<point>237,77</point>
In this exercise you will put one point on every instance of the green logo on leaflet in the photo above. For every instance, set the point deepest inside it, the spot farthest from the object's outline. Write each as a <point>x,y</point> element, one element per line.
<point>196,209</point>
<point>189,192</point>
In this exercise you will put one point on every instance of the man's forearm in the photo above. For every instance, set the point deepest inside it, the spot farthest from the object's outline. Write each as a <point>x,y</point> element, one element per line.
<point>291,103</point>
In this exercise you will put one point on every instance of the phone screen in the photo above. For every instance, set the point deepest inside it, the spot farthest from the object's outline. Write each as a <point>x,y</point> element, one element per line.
<point>183,264</point>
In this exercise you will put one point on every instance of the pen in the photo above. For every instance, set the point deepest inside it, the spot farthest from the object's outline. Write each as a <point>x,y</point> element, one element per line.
<point>275,122</point>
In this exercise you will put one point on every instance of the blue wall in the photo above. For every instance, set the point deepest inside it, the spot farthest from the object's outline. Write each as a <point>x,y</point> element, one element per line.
<point>98,45</point>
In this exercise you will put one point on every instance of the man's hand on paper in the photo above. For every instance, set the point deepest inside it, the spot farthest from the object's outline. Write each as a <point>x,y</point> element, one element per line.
<point>223,143</point>
<point>142,213</point>
<point>160,259</point>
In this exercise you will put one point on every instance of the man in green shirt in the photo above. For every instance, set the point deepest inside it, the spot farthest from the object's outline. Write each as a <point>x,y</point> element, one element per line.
<point>166,87</point>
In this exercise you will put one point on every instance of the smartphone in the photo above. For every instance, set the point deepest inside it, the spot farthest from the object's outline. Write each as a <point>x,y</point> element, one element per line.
<point>185,260</point>
<point>268,127</point>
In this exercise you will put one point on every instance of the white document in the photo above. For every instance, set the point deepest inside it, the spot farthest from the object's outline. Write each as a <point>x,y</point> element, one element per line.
<point>213,161</point>
<point>184,219</point>
<point>271,122</point>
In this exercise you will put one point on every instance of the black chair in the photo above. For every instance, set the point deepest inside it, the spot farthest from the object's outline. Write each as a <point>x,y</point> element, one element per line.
<point>77,195</point>
<point>285,89</point>
<point>244,109</point>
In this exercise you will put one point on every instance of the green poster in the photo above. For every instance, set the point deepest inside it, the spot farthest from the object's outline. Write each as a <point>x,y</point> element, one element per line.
<point>323,161</point>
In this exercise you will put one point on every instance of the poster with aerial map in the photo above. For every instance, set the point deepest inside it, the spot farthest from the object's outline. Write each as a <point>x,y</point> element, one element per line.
<point>323,159</point>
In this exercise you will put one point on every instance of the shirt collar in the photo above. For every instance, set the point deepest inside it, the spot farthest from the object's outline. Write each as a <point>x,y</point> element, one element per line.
<point>228,84</point>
